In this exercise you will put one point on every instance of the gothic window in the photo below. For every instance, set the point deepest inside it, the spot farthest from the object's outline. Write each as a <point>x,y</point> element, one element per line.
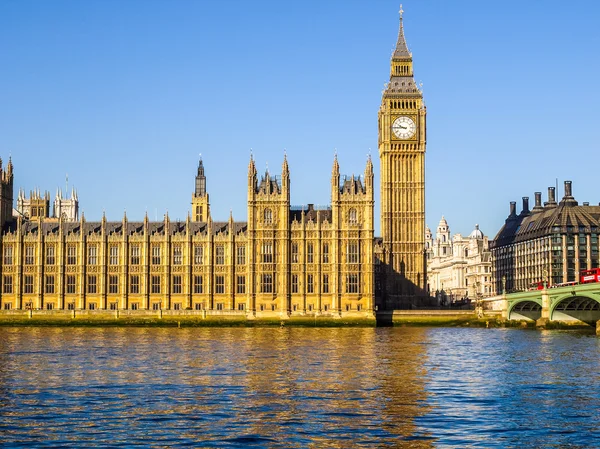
<point>309,284</point>
<point>352,283</point>
<point>50,284</point>
<point>294,283</point>
<point>70,284</point>
<point>219,284</point>
<point>352,253</point>
<point>241,255</point>
<point>71,255</point>
<point>177,254</point>
<point>50,259</point>
<point>113,284</point>
<point>309,253</point>
<point>325,283</point>
<point>91,283</point>
<point>155,255</point>
<point>268,216</point>
<point>325,252</point>
<point>294,253</point>
<point>267,283</point>
<point>197,284</point>
<point>155,284</point>
<point>466,252</point>
<point>352,216</point>
<point>241,284</point>
<point>113,255</point>
<point>220,255</point>
<point>7,284</point>
<point>29,255</point>
<point>8,255</point>
<point>92,255</point>
<point>267,252</point>
<point>135,254</point>
<point>177,284</point>
<point>198,254</point>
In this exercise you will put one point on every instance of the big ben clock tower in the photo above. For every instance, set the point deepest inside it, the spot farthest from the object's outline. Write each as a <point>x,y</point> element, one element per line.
<point>402,160</point>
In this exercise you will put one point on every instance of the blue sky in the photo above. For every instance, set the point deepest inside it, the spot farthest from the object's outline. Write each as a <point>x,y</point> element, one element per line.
<point>124,95</point>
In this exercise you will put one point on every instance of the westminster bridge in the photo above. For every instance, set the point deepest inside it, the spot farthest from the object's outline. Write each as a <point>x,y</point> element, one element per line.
<point>571,303</point>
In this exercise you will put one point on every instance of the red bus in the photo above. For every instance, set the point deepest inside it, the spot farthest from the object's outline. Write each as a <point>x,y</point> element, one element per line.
<point>536,286</point>
<point>587,276</point>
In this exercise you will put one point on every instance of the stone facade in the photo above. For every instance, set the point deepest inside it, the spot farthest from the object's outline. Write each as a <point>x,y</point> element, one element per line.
<point>458,267</point>
<point>284,260</point>
<point>402,141</point>
<point>551,243</point>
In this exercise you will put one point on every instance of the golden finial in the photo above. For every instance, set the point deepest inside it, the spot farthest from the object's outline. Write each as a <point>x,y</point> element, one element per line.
<point>401,11</point>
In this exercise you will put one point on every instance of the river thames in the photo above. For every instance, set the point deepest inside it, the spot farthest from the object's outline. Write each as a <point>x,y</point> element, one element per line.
<point>298,387</point>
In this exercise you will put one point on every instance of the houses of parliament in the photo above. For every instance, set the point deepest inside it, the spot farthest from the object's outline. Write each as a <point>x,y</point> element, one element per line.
<point>282,261</point>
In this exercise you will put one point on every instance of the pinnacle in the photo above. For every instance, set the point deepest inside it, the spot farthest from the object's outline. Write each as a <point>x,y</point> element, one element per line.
<point>401,51</point>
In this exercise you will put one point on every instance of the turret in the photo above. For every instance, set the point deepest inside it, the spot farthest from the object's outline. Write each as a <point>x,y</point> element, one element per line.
<point>335,179</point>
<point>200,201</point>
<point>200,180</point>
<point>285,177</point>
<point>6,193</point>
<point>369,174</point>
<point>252,178</point>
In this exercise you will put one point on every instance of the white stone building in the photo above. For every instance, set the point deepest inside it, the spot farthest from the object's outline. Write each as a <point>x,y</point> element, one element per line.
<point>38,205</point>
<point>458,267</point>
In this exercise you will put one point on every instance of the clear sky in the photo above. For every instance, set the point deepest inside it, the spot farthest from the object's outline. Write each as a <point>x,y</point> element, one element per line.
<point>124,95</point>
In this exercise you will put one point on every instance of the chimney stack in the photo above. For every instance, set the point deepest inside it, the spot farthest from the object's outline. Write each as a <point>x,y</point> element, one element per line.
<point>568,191</point>
<point>513,209</point>
<point>538,202</point>
<point>551,198</point>
<point>525,210</point>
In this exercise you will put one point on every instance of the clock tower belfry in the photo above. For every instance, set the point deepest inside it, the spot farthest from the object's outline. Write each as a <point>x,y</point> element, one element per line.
<point>402,140</point>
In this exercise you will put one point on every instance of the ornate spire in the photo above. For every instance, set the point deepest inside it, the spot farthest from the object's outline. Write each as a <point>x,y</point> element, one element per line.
<point>285,168</point>
<point>336,166</point>
<point>200,166</point>
<point>251,165</point>
<point>401,51</point>
<point>200,180</point>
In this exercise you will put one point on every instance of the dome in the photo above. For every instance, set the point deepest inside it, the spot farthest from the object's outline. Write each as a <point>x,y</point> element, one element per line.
<point>476,234</point>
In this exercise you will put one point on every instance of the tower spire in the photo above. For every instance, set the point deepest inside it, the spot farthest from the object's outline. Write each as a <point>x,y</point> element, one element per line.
<point>401,51</point>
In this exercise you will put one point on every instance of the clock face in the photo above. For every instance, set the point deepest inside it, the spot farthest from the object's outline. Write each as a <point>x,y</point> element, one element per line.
<point>404,127</point>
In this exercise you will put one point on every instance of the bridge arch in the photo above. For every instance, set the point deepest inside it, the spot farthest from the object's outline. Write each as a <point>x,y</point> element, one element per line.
<point>525,309</point>
<point>575,308</point>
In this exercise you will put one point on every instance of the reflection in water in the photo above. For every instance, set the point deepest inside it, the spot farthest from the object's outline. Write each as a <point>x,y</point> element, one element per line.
<point>295,387</point>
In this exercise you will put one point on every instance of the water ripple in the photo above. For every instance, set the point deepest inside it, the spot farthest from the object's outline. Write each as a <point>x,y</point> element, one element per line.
<point>297,388</point>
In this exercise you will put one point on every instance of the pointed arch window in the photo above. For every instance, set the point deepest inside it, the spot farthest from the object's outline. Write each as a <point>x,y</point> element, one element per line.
<point>352,216</point>
<point>268,216</point>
